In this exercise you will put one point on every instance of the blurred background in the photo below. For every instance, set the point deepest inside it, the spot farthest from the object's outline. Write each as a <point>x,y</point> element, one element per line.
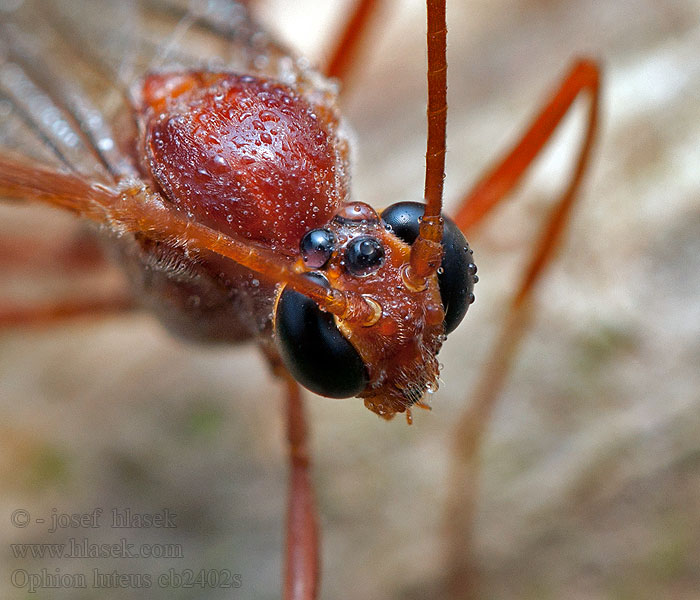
<point>590,476</point>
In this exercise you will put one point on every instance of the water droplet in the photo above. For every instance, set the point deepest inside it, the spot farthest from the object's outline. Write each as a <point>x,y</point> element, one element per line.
<point>268,115</point>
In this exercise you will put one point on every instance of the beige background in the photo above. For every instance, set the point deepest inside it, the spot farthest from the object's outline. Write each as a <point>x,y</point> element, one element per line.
<point>590,479</point>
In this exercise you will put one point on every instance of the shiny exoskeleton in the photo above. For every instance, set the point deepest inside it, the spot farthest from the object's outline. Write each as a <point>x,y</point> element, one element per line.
<point>267,162</point>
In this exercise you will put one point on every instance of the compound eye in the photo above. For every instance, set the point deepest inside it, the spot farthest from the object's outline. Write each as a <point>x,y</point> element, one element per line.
<point>312,348</point>
<point>404,219</point>
<point>364,255</point>
<point>316,247</point>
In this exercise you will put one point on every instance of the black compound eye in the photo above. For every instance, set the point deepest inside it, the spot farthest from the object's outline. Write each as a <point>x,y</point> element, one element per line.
<point>404,219</point>
<point>312,348</point>
<point>458,271</point>
<point>364,255</point>
<point>316,247</point>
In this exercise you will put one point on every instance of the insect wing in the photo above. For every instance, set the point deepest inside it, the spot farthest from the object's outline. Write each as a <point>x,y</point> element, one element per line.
<point>68,71</point>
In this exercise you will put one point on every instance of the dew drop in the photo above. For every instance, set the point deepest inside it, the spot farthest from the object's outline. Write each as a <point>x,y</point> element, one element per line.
<point>268,115</point>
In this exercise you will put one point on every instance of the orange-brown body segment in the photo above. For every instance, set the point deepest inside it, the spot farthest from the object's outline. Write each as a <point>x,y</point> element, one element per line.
<point>245,155</point>
<point>259,160</point>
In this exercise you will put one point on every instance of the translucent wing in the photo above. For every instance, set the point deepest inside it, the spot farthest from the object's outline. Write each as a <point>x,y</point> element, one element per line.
<point>68,79</point>
<point>68,69</point>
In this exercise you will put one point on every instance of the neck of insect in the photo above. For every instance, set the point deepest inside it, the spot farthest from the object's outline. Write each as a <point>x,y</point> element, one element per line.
<point>153,216</point>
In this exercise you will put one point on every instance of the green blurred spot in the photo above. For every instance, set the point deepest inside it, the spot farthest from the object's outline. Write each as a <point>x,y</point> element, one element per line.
<point>600,345</point>
<point>204,421</point>
<point>668,558</point>
<point>47,467</point>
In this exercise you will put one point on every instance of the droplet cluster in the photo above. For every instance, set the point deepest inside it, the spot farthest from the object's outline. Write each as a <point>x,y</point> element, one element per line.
<point>248,156</point>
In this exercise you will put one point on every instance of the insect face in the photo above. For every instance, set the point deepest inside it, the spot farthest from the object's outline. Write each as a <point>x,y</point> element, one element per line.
<point>361,253</point>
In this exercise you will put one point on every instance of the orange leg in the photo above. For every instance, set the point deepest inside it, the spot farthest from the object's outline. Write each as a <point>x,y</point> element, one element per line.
<point>350,39</point>
<point>49,314</point>
<point>82,253</point>
<point>583,77</point>
<point>302,562</point>
<point>79,254</point>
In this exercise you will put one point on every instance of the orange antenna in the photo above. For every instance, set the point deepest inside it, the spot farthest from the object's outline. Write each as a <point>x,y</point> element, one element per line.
<point>133,208</point>
<point>426,251</point>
